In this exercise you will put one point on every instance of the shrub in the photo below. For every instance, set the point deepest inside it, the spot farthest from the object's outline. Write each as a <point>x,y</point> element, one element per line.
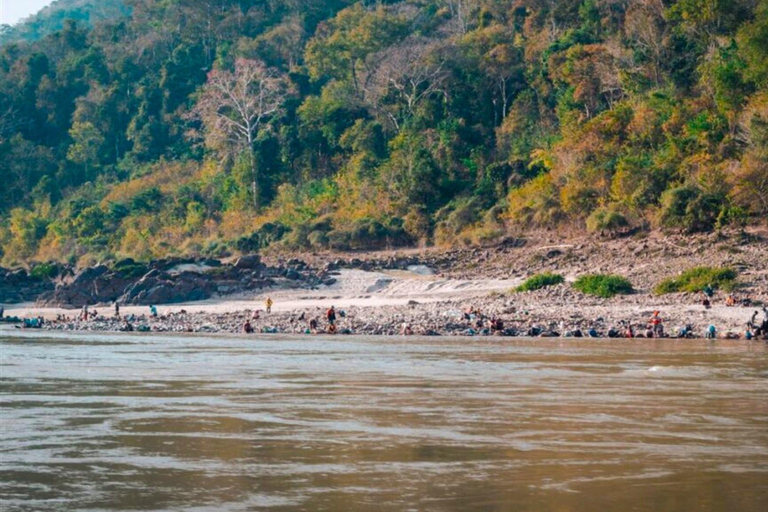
<point>690,208</point>
<point>606,219</point>
<point>44,271</point>
<point>129,268</point>
<point>147,201</point>
<point>267,234</point>
<point>695,279</point>
<point>368,233</point>
<point>540,281</point>
<point>603,285</point>
<point>318,239</point>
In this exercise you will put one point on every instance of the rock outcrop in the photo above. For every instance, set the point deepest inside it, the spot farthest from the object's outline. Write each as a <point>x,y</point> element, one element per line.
<point>172,281</point>
<point>18,286</point>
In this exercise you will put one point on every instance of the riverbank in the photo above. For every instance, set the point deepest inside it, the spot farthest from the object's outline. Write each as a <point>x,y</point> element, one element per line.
<point>390,303</point>
<point>430,292</point>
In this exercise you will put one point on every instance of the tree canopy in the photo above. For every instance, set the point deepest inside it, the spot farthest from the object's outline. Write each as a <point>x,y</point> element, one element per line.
<point>206,127</point>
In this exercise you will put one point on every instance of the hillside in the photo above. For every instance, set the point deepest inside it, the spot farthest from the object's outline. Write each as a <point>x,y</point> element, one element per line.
<point>218,126</point>
<point>51,18</point>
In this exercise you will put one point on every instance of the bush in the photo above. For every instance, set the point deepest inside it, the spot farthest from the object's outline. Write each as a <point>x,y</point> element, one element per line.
<point>267,234</point>
<point>690,208</point>
<point>603,285</point>
<point>606,219</point>
<point>369,233</point>
<point>695,279</point>
<point>129,268</point>
<point>540,281</point>
<point>44,271</point>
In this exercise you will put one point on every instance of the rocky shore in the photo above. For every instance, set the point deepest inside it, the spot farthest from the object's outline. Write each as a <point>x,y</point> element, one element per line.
<point>424,292</point>
<point>168,281</point>
<point>531,314</point>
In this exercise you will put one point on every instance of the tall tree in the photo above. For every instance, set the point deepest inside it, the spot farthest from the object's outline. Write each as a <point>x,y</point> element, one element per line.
<point>86,142</point>
<point>235,105</point>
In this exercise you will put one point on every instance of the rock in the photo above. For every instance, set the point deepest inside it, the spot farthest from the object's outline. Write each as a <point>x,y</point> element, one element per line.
<point>108,288</point>
<point>251,261</point>
<point>553,253</point>
<point>86,276</point>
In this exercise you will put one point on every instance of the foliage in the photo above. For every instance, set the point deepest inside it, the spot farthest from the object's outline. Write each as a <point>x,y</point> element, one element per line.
<point>606,219</point>
<point>695,279</point>
<point>128,268</point>
<point>540,281</point>
<point>690,208</point>
<point>603,285</point>
<point>148,128</point>
<point>44,271</point>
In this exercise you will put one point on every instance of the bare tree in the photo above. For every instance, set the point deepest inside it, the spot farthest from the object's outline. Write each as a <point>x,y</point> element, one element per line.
<point>234,106</point>
<point>410,71</point>
<point>646,28</point>
<point>502,64</point>
<point>461,10</point>
<point>8,122</point>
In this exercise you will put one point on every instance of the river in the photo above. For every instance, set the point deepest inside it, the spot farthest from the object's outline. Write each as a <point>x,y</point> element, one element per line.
<point>202,423</point>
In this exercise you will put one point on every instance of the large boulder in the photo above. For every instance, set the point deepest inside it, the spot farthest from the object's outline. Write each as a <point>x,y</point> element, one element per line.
<point>248,262</point>
<point>108,287</point>
<point>19,286</point>
<point>86,276</point>
<point>159,288</point>
<point>64,296</point>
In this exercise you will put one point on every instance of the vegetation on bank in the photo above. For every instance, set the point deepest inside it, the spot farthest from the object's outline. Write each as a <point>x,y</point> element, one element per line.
<point>603,285</point>
<point>539,281</point>
<point>697,278</point>
<point>359,125</point>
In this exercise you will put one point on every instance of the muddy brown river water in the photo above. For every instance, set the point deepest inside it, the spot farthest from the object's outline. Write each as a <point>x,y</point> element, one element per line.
<point>110,422</point>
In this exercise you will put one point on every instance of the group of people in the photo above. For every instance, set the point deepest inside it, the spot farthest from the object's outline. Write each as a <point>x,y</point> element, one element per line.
<point>731,300</point>
<point>312,325</point>
<point>757,329</point>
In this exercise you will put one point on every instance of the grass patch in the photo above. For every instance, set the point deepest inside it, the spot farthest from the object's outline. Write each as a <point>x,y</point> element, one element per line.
<point>695,279</point>
<point>603,285</point>
<point>540,281</point>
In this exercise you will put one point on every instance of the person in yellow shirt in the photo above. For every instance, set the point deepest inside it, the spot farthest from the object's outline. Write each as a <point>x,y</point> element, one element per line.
<point>269,303</point>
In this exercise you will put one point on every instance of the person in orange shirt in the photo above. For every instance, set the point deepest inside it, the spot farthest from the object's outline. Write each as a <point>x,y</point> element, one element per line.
<point>656,325</point>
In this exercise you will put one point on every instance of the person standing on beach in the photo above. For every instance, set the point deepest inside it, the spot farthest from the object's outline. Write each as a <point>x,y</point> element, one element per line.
<point>268,303</point>
<point>709,294</point>
<point>656,325</point>
<point>117,309</point>
<point>153,311</point>
<point>330,315</point>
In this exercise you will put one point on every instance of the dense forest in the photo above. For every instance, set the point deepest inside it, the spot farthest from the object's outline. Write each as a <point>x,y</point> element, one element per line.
<point>215,126</point>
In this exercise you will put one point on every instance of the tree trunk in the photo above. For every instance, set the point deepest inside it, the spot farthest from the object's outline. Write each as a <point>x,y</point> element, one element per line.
<point>255,173</point>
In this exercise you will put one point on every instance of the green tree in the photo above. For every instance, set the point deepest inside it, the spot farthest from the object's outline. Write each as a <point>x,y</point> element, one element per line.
<point>86,142</point>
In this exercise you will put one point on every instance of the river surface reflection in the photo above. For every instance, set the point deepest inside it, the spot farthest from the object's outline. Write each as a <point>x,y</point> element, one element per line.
<point>110,422</point>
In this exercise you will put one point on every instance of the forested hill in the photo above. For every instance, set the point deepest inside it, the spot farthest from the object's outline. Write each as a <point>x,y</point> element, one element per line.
<point>51,18</point>
<point>212,126</point>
